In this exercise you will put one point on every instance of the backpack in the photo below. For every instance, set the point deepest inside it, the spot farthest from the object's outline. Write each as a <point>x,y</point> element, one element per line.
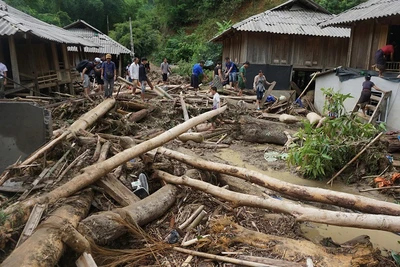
<point>82,65</point>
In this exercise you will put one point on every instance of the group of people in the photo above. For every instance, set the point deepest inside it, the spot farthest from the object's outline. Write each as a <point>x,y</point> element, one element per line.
<point>105,74</point>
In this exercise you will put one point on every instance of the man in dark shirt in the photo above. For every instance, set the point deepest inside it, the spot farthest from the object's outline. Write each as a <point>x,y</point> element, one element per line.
<point>108,74</point>
<point>85,77</point>
<point>143,76</point>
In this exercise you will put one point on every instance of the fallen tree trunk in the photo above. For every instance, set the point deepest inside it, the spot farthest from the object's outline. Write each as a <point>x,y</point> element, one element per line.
<point>104,227</point>
<point>263,131</point>
<point>18,214</point>
<point>299,212</point>
<point>340,199</point>
<point>133,105</point>
<point>90,117</point>
<point>45,247</point>
<point>138,115</point>
<point>291,249</point>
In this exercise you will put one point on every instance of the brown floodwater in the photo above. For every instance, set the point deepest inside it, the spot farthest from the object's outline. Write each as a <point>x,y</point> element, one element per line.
<point>315,231</point>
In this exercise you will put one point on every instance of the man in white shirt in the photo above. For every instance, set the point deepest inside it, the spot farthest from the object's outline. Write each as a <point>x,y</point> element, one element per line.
<point>165,70</point>
<point>3,80</point>
<point>134,73</point>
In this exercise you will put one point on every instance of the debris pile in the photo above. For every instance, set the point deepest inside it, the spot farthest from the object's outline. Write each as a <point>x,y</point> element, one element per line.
<point>130,183</point>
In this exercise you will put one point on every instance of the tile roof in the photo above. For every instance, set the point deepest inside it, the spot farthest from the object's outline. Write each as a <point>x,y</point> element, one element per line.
<point>371,9</point>
<point>292,17</point>
<point>13,21</point>
<point>106,45</point>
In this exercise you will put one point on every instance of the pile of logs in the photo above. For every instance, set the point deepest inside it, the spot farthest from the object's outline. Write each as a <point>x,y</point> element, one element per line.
<point>76,196</point>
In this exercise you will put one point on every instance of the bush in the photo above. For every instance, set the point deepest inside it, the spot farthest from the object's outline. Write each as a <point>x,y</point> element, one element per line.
<point>323,151</point>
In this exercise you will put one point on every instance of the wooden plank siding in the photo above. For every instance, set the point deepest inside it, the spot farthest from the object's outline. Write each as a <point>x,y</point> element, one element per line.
<point>368,36</point>
<point>303,52</point>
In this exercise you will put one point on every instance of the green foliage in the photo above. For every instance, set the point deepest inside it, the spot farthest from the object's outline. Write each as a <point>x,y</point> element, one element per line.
<point>339,6</point>
<point>225,25</point>
<point>3,217</point>
<point>184,68</point>
<point>323,151</point>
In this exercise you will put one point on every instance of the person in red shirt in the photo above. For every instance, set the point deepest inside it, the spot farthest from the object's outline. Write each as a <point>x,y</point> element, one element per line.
<point>382,55</point>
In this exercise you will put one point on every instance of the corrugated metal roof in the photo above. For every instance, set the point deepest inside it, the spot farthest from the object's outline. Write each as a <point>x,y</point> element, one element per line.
<point>13,21</point>
<point>292,17</point>
<point>371,9</point>
<point>106,45</point>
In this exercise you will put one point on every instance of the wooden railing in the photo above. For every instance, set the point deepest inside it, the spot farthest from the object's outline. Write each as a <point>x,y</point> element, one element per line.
<point>393,66</point>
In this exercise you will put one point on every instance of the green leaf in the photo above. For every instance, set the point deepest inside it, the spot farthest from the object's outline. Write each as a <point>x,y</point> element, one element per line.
<point>396,257</point>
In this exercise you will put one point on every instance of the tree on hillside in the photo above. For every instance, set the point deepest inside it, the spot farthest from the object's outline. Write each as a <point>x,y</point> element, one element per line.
<point>338,6</point>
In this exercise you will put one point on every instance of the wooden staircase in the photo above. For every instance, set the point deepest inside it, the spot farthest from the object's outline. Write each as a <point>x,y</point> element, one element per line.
<point>377,108</point>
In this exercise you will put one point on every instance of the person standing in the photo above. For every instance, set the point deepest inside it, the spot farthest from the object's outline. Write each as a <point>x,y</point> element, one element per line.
<point>108,74</point>
<point>242,77</point>
<point>134,73</point>
<point>366,93</point>
<point>218,78</point>
<point>85,77</point>
<point>197,73</point>
<point>143,77</point>
<point>97,74</point>
<point>216,98</point>
<point>165,70</point>
<point>382,55</point>
<point>3,79</point>
<point>231,72</point>
<point>260,83</point>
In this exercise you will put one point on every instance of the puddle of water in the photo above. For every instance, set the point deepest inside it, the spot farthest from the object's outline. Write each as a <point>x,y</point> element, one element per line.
<point>315,231</point>
<point>380,239</point>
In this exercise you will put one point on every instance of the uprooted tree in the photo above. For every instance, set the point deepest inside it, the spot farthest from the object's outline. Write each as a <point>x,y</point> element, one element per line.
<point>321,151</point>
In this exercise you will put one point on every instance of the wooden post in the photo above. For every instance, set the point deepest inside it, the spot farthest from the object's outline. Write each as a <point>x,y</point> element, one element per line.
<point>67,68</point>
<point>32,65</point>
<point>14,61</point>
<point>56,63</point>
<point>349,51</point>
<point>120,66</point>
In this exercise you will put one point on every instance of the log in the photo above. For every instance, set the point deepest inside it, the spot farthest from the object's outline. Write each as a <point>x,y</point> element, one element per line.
<point>139,115</point>
<point>263,131</point>
<point>299,212</point>
<point>90,117</point>
<point>275,262</point>
<point>292,250</point>
<point>162,92</point>
<point>18,214</point>
<point>104,227</point>
<point>289,118</point>
<point>203,127</point>
<point>184,109</point>
<point>133,105</point>
<point>196,137</point>
<point>45,247</point>
<point>340,199</point>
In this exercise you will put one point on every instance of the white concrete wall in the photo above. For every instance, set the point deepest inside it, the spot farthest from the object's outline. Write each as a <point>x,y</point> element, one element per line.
<point>354,87</point>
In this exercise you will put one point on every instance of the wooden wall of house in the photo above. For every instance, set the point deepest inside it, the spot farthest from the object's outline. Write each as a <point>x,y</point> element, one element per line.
<point>303,52</point>
<point>366,38</point>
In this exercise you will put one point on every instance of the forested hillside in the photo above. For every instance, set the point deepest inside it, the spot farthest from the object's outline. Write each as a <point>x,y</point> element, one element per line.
<point>177,29</point>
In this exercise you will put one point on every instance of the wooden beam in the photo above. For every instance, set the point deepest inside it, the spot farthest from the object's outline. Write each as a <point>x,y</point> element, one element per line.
<point>86,260</point>
<point>67,67</point>
<point>120,66</point>
<point>32,223</point>
<point>370,40</point>
<point>14,61</point>
<point>117,190</point>
<point>350,50</point>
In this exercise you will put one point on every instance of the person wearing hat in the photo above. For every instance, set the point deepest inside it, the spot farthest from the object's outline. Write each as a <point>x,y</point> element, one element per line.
<point>366,93</point>
<point>108,74</point>
<point>197,72</point>
<point>97,74</point>
<point>242,77</point>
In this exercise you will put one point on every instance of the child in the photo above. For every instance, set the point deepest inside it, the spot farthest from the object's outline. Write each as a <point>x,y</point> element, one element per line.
<point>216,99</point>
